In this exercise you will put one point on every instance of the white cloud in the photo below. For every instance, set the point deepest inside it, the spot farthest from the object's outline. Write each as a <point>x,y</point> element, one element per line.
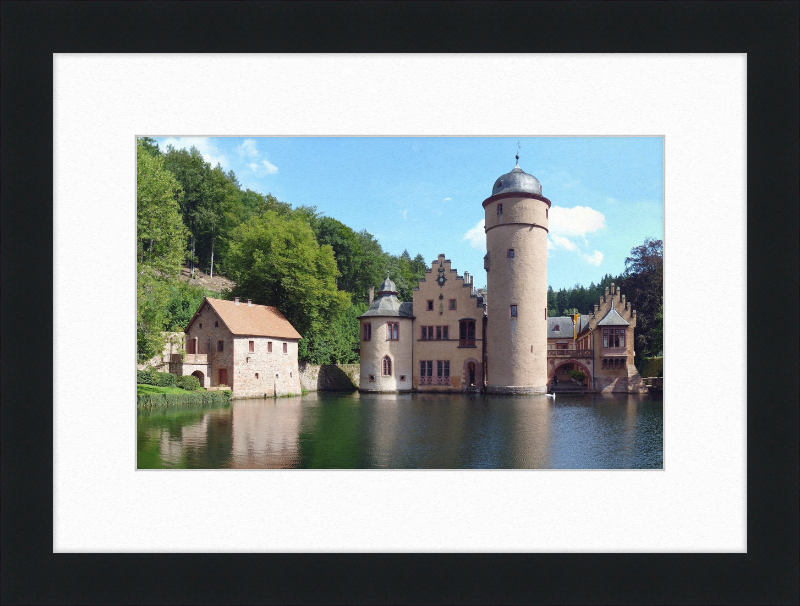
<point>575,221</point>
<point>447,199</point>
<point>253,166</point>
<point>210,152</point>
<point>248,148</point>
<point>269,167</point>
<point>562,242</point>
<point>596,258</point>
<point>476,236</point>
<point>405,214</point>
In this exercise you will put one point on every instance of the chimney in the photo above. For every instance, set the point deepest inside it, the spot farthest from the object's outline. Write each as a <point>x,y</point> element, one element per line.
<point>236,300</point>
<point>249,302</point>
<point>371,294</point>
<point>466,277</point>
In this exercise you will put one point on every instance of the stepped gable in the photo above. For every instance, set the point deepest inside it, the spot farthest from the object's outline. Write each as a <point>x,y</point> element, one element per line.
<point>251,320</point>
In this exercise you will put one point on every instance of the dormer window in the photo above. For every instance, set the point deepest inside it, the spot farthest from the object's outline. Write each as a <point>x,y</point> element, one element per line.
<point>556,327</point>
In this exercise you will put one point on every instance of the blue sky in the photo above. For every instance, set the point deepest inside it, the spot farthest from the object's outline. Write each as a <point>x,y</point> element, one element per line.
<point>424,194</point>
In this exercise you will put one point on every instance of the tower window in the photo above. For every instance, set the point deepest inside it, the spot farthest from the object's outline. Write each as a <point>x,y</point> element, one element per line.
<point>546,213</point>
<point>386,367</point>
<point>216,324</point>
<point>252,345</point>
<point>513,311</point>
<point>220,346</point>
<point>429,305</point>
<point>285,348</point>
<point>367,331</point>
<point>392,331</point>
<point>269,346</point>
<point>452,304</point>
<point>510,253</point>
<point>499,209</point>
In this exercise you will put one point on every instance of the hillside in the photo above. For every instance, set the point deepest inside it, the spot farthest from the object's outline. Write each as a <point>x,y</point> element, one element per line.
<point>217,283</point>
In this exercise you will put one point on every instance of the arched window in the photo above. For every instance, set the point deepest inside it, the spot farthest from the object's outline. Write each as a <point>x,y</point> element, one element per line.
<point>387,367</point>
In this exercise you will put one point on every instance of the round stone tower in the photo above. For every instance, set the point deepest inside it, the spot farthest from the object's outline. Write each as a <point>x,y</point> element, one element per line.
<point>516,266</point>
<point>386,337</point>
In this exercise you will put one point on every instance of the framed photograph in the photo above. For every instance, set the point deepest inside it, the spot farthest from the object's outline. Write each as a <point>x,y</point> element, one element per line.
<point>721,516</point>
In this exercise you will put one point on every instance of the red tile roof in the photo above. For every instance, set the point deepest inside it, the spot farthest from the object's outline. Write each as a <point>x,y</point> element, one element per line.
<point>251,320</point>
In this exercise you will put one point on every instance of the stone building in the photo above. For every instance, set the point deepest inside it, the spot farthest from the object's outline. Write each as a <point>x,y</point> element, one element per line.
<point>250,348</point>
<point>450,339</point>
<point>386,336</point>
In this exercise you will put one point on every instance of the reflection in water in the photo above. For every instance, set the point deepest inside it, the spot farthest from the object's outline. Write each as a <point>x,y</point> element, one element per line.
<point>428,431</point>
<point>265,433</point>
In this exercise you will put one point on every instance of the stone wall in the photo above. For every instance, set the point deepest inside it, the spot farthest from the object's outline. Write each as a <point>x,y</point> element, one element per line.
<point>262,373</point>
<point>330,377</point>
<point>174,345</point>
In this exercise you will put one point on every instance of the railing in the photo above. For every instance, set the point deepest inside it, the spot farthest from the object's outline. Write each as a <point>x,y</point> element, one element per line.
<point>570,353</point>
<point>466,342</point>
<point>434,380</point>
<point>191,358</point>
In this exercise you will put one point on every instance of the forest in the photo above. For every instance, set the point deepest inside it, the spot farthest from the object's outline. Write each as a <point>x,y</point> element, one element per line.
<point>314,269</point>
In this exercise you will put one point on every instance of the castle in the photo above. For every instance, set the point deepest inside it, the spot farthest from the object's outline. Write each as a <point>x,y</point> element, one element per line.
<point>451,338</point>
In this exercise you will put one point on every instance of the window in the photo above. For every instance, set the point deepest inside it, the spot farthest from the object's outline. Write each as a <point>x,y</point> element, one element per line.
<point>392,331</point>
<point>442,333</point>
<point>499,209</point>
<point>201,325</point>
<point>220,346</point>
<point>252,345</point>
<point>372,378</point>
<point>452,304</point>
<point>546,213</point>
<point>443,372</point>
<point>426,372</point>
<point>216,324</point>
<point>269,346</point>
<point>513,311</point>
<point>429,305</point>
<point>256,375</point>
<point>466,333</point>
<point>190,347</point>
<point>556,327</point>
<point>510,253</point>
<point>367,331</point>
<point>386,367</point>
<point>561,345</point>
<point>427,333</point>
<point>286,347</point>
<point>614,337</point>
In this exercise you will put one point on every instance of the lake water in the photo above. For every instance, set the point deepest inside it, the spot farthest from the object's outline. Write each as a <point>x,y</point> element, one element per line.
<point>427,431</point>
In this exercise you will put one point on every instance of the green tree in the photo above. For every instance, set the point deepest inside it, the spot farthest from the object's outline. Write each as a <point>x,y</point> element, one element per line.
<point>191,172</point>
<point>643,286</point>
<point>161,245</point>
<point>276,260</point>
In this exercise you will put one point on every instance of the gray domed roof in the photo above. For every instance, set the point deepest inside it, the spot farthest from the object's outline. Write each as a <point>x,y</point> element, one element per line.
<point>387,286</point>
<point>517,181</point>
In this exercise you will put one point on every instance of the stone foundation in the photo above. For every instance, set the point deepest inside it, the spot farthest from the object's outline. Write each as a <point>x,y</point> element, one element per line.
<point>515,389</point>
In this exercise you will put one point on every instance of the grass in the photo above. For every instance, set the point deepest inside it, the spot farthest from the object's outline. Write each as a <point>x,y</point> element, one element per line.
<point>142,389</point>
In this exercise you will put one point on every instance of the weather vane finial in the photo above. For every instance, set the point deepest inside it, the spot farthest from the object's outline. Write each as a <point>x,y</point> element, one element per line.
<point>518,148</point>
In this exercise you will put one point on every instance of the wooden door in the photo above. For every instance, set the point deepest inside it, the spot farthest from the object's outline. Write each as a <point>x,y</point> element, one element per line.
<point>223,376</point>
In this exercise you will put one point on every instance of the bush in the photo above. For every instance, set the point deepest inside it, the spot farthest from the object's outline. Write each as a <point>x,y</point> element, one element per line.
<point>152,377</point>
<point>178,399</point>
<point>577,375</point>
<point>188,382</point>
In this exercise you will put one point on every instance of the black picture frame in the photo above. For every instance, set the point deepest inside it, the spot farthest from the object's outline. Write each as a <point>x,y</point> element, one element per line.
<point>32,32</point>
